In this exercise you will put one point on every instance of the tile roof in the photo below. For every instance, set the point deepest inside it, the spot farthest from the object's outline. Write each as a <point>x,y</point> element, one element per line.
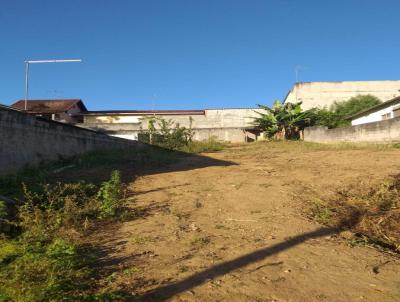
<point>48,106</point>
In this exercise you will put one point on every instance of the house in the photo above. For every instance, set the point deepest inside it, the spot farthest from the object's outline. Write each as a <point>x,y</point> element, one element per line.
<point>325,94</point>
<point>234,125</point>
<point>65,110</point>
<point>387,110</point>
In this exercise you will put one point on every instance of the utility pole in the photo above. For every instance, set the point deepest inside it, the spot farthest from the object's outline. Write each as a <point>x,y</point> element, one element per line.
<point>27,62</point>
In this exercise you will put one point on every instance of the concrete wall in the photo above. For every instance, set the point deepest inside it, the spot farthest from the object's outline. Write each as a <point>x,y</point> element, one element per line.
<point>387,131</point>
<point>321,94</point>
<point>29,140</point>
<point>224,124</point>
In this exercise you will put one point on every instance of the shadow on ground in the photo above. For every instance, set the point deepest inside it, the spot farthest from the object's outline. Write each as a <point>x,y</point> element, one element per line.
<point>132,163</point>
<point>168,291</point>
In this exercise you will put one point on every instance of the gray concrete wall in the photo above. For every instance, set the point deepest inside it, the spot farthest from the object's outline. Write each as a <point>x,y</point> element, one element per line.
<point>387,131</point>
<point>131,131</point>
<point>324,94</point>
<point>28,140</point>
<point>223,124</point>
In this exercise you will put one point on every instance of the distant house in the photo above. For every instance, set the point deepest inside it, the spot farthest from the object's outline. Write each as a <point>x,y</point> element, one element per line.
<point>232,124</point>
<point>387,110</point>
<point>66,110</point>
<point>325,94</point>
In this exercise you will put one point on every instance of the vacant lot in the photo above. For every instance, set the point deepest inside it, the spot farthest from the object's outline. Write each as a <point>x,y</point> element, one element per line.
<point>230,226</point>
<point>242,224</point>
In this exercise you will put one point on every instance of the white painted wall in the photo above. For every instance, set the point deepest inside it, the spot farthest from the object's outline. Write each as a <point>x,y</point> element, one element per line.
<point>375,116</point>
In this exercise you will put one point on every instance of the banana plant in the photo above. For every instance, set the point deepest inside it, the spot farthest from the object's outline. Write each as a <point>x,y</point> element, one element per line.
<point>283,120</point>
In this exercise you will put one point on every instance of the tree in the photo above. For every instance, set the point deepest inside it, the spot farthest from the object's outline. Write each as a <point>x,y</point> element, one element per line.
<point>284,120</point>
<point>339,113</point>
<point>355,104</point>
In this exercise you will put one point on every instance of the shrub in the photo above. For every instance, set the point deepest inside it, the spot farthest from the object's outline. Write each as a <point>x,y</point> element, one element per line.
<point>43,262</point>
<point>110,195</point>
<point>338,114</point>
<point>167,134</point>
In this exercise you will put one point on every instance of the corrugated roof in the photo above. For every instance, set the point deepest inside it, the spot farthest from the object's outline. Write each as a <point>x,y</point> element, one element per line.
<point>48,106</point>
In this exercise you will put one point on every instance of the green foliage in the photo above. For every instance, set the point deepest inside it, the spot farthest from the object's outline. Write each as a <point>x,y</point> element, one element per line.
<point>3,210</point>
<point>170,135</point>
<point>42,262</point>
<point>283,120</point>
<point>167,134</point>
<point>209,145</point>
<point>110,195</point>
<point>338,114</point>
<point>355,104</point>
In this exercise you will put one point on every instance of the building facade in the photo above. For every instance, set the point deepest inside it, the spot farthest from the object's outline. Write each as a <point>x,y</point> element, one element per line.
<point>234,125</point>
<point>325,94</point>
<point>385,111</point>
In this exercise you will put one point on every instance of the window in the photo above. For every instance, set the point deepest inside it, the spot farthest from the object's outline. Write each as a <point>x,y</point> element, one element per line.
<point>386,116</point>
<point>396,112</point>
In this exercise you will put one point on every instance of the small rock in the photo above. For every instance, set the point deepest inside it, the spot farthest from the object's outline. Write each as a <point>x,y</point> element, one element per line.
<point>287,271</point>
<point>194,227</point>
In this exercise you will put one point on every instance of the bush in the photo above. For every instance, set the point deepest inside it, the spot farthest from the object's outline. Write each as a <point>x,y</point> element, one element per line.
<point>167,134</point>
<point>43,261</point>
<point>339,113</point>
<point>110,195</point>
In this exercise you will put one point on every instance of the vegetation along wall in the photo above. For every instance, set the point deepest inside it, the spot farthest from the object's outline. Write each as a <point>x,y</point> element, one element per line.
<point>387,131</point>
<point>27,140</point>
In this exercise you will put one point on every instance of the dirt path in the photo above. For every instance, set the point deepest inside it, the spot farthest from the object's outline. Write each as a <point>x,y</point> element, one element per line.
<point>236,232</point>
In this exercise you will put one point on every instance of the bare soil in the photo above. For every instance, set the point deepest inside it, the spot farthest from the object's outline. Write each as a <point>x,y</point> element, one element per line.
<point>229,226</point>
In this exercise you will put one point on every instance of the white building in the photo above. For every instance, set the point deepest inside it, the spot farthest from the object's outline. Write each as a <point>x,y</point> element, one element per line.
<point>325,94</point>
<point>387,110</point>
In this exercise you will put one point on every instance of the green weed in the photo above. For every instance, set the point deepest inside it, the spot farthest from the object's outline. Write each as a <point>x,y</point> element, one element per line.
<point>200,242</point>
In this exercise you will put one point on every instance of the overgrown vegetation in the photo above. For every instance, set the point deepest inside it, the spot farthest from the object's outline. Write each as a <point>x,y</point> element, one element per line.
<point>370,210</point>
<point>170,135</point>
<point>338,114</point>
<point>41,253</point>
<point>286,121</point>
<point>35,177</point>
<point>283,121</point>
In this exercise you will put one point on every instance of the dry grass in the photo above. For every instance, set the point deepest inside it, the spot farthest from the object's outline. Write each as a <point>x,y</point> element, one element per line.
<point>369,209</point>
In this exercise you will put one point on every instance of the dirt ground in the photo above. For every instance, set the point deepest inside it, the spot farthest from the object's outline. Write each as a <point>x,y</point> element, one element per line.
<point>229,226</point>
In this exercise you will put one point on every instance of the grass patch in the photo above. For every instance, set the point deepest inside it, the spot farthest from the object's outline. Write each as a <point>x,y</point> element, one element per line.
<point>43,259</point>
<point>35,177</point>
<point>209,145</point>
<point>200,241</point>
<point>142,239</point>
<point>369,210</point>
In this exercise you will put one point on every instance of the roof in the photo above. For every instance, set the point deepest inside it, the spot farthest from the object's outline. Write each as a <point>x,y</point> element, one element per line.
<point>48,106</point>
<point>375,108</point>
<point>147,112</point>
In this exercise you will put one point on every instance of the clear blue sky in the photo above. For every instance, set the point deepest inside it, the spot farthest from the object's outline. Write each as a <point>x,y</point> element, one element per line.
<point>192,54</point>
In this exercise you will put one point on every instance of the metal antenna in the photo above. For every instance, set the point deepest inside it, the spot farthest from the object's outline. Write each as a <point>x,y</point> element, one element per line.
<point>27,62</point>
